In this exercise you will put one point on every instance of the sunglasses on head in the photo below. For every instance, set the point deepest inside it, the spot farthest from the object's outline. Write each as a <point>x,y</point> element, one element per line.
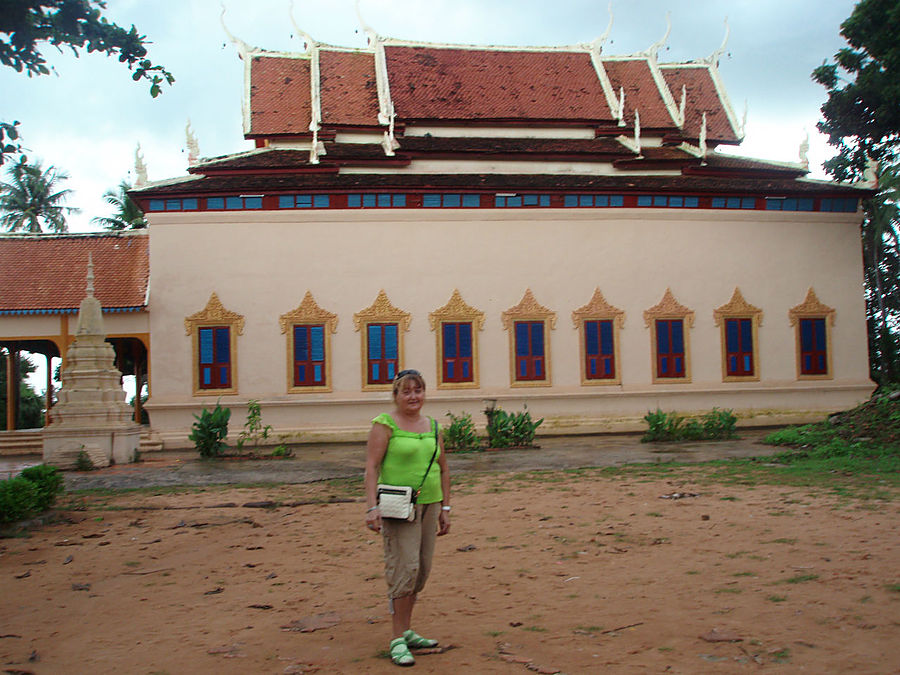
<point>404,373</point>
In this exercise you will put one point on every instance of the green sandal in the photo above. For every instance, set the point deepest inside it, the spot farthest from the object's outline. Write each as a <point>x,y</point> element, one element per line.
<point>416,641</point>
<point>400,653</point>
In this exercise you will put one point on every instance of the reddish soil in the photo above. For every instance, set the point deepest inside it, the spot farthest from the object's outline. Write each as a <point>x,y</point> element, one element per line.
<point>541,572</point>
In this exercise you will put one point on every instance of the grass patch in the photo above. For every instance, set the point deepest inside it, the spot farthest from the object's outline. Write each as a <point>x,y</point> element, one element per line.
<point>776,598</point>
<point>801,578</point>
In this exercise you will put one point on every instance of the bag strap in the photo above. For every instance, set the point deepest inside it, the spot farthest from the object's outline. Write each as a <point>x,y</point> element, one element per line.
<point>433,455</point>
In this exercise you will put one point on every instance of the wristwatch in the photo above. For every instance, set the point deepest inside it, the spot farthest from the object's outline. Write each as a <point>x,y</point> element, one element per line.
<point>445,508</point>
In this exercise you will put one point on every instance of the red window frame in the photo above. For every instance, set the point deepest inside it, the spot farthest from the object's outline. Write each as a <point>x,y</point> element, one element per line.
<point>670,357</point>
<point>813,346</point>
<point>599,349</point>
<point>310,355</point>
<point>739,357</point>
<point>530,346</point>
<point>212,359</point>
<point>456,346</point>
<point>383,357</point>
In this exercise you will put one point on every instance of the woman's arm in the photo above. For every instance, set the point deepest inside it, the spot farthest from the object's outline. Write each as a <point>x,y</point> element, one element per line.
<point>376,446</point>
<point>444,520</point>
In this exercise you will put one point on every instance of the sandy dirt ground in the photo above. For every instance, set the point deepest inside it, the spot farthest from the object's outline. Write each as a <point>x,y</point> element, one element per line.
<point>542,572</point>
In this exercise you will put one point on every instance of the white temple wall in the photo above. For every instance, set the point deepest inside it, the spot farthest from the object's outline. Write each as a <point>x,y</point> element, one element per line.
<point>260,264</point>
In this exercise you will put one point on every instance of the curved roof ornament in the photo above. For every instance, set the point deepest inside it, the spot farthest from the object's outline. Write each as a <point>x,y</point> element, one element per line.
<point>308,41</point>
<point>702,140</point>
<point>803,151</point>
<point>743,130</point>
<point>242,47</point>
<point>140,168</point>
<point>597,45</point>
<point>370,32</point>
<point>656,46</point>
<point>713,59</point>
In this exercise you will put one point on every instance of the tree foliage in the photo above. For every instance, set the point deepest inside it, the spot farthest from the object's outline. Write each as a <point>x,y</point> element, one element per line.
<point>127,215</point>
<point>27,26</point>
<point>32,198</point>
<point>862,113</point>
<point>31,405</point>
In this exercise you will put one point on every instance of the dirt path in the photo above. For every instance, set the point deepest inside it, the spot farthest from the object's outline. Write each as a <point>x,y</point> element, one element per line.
<point>563,572</point>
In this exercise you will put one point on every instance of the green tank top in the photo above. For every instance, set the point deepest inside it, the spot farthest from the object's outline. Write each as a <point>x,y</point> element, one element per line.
<point>406,460</point>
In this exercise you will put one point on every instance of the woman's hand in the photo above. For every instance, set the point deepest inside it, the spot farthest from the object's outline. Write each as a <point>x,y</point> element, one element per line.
<point>443,523</point>
<point>373,520</point>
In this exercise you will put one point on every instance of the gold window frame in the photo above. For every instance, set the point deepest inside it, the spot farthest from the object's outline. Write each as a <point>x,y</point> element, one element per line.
<point>380,311</point>
<point>739,308</point>
<point>598,309</point>
<point>212,316</point>
<point>813,308</point>
<point>456,311</point>
<point>668,309</point>
<point>529,309</point>
<point>308,313</point>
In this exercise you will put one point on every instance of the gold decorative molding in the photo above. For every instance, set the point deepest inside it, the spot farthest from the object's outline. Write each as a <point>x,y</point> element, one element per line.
<point>598,308</point>
<point>308,311</point>
<point>456,309</point>
<point>528,308</point>
<point>737,306</point>
<point>811,307</point>
<point>381,310</point>
<point>214,312</point>
<point>668,308</point>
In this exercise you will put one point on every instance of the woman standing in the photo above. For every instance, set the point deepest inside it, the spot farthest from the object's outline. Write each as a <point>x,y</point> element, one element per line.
<point>399,452</point>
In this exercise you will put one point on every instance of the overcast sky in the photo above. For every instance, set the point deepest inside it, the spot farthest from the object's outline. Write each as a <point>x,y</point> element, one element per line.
<point>88,117</point>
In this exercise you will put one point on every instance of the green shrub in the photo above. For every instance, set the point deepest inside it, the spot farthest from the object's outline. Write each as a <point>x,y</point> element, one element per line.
<point>83,461</point>
<point>663,426</point>
<point>209,431</point>
<point>460,435</point>
<point>19,498</point>
<point>511,430</point>
<point>282,451</point>
<point>49,483</point>
<point>254,432</point>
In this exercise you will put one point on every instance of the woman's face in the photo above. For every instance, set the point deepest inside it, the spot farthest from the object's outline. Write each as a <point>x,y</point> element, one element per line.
<point>410,396</point>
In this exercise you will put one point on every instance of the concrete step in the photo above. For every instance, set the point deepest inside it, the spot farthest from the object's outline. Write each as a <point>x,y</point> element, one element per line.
<point>31,442</point>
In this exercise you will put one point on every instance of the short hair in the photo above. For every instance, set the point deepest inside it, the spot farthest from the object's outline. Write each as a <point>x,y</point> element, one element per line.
<point>404,375</point>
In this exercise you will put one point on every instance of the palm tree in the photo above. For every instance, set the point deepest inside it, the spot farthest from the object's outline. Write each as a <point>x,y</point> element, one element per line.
<point>33,197</point>
<point>126,214</point>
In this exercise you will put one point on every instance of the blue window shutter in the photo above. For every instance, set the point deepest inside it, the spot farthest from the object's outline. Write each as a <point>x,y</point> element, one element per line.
<point>465,340</point>
<point>659,200</point>
<point>521,339</point>
<point>206,345</point>
<point>390,370</point>
<point>806,335</point>
<point>746,335</point>
<point>450,349</point>
<point>471,201</point>
<point>384,200</point>
<point>606,338</point>
<point>662,337</point>
<point>354,201</point>
<point>591,338</point>
<point>537,338</point>
<point>570,200</point>
<point>676,202</point>
<point>252,202</point>
<point>530,200</point>
<point>586,200</point>
<point>317,373</point>
<point>375,371</point>
<point>321,201</point>
<point>466,370</point>
<point>617,200</point>
<point>317,343</point>
<point>157,204</point>
<point>286,201</point>
<point>304,201</point>
<point>400,200</point>
<point>731,334</point>
<point>390,341</point>
<point>301,348</point>
<point>223,345</point>
<point>820,333</point>
<point>234,203</point>
<point>452,200</point>
<point>692,202</point>
<point>375,350</point>
<point>431,200</point>
<point>368,200</point>
<point>215,203</point>
<point>450,373</point>
<point>601,200</point>
<point>678,336</point>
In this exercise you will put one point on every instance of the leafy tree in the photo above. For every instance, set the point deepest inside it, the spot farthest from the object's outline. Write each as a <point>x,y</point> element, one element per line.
<point>32,197</point>
<point>862,114</point>
<point>31,405</point>
<point>26,26</point>
<point>861,118</point>
<point>126,214</point>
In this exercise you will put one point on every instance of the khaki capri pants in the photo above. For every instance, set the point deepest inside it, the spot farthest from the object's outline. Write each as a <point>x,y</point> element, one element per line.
<point>409,550</point>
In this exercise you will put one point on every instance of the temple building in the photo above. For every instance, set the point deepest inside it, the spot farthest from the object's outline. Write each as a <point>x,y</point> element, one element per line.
<point>550,227</point>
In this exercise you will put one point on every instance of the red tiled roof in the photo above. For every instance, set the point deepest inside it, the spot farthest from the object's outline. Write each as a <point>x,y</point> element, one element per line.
<point>279,95</point>
<point>701,96</point>
<point>49,272</point>
<point>349,94</point>
<point>467,84</point>
<point>641,92</point>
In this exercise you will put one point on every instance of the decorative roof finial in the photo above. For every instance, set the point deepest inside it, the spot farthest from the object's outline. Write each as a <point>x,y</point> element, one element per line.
<point>367,29</point>
<point>713,59</point>
<point>90,275</point>
<point>598,43</point>
<point>620,113</point>
<point>193,147</point>
<point>637,131</point>
<point>389,142</point>
<point>743,129</point>
<point>302,34</point>
<point>804,149</point>
<point>140,169</point>
<point>681,106</point>
<point>703,148</point>
<point>656,46</point>
<point>242,47</point>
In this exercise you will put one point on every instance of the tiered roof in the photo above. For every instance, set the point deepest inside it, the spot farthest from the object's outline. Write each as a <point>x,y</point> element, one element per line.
<point>45,274</point>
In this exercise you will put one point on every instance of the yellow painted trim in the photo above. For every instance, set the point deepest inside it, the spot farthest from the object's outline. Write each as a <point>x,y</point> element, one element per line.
<point>739,308</point>
<point>666,309</point>
<point>380,311</point>
<point>456,311</point>
<point>529,309</point>
<point>813,308</point>
<point>212,316</point>
<point>308,313</point>
<point>598,309</point>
